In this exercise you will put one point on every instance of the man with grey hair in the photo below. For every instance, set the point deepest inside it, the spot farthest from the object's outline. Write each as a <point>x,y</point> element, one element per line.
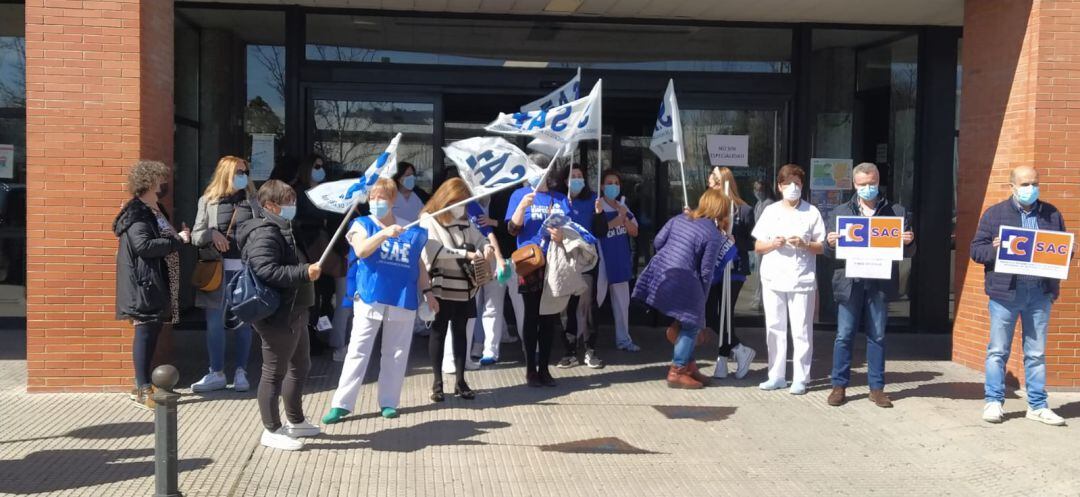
<point>1017,297</point>
<point>863,303</point>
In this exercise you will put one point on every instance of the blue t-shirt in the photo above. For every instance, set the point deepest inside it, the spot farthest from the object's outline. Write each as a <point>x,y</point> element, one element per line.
<point>544,204</point>
<point>582,209</point>
<point>616,246</point>
<point>389,275</point>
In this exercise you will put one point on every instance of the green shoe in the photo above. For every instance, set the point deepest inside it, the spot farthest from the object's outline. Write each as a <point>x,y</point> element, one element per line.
<point>334,416</point>
<point>389,412</point>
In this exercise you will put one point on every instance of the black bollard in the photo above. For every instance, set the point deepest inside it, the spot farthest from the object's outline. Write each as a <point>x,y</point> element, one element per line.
<point>165,447</point>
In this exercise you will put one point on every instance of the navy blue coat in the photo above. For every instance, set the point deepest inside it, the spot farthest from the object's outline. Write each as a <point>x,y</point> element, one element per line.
<point>1002,286</point>
<point>676,282</point>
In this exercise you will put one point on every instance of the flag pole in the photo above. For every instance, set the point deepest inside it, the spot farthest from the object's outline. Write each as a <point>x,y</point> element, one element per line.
<point>727,268</point>
<point>682,172</point>
<point>339,232</point>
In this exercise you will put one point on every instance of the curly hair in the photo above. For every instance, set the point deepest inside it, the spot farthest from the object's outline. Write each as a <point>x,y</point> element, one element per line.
<point>144,174</point>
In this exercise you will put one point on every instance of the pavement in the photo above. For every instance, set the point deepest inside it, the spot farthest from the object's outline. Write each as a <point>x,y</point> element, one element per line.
<point>615,431</point>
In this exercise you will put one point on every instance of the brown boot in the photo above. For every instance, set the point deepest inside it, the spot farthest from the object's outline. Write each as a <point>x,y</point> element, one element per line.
<point>837,397</point>
<point>680,378</point>
<point>879,399</point>
<point>696,374</point>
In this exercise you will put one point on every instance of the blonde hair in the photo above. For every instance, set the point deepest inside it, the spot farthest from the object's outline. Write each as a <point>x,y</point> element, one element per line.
<point>386,186</point>
<point>713,205</point>
<point>221,185</point>
<point>719,176</point>
<point>452,191</point>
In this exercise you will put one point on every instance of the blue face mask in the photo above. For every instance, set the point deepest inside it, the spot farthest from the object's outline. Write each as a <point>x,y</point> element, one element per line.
<point>868,192</point>
<point>611,191</point>
<point>534,181</point>
<point>576,185</point>
<point>318,175</point>
<point>1027,195</point>
<point>379,208</point>
<point>239,181</point>
<point>288,212</point>
<point>409,182</point>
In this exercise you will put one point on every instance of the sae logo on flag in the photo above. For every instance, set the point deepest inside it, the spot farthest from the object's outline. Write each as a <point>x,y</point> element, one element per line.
<point>870,238</point>
<point>1034,252</point>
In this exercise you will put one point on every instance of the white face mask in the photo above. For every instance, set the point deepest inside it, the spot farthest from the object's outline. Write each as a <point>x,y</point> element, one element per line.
<point>792,192</point>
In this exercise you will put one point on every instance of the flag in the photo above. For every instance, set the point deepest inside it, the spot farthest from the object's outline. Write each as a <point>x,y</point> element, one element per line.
<point>339,196</point>
<point>562,95</point>
<point>488,162</point>
<point>667,142</point>
<point>561,125</point>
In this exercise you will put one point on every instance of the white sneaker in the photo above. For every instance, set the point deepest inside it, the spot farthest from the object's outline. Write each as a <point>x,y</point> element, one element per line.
<point>279,440</point>
<point>721,368</point>
<point>629,347</point>
<point>240,382</point>
<point>302,429</point>
<point>773,384</point>
<point>449,369</point>
<point>993,413</point>
<point>798,388</point>
<point>744,356</point>
<point>214,380</point>
<point>1044,416</point>
<point>339,354</point>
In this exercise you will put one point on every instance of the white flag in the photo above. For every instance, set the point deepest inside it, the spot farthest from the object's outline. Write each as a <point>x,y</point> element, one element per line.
<point>562,125</point>
<point>339,196</point>
<point>667,142</point>
<point>562,95</point>
<point>488,162</point>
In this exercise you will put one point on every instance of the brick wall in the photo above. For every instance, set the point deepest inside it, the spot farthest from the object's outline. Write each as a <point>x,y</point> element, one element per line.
<point>99,97</point>
<point>1020,105</point>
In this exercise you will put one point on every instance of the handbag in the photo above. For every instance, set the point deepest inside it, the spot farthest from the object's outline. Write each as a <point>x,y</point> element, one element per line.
<point>209,272</point>
<point>249,299</point>
<point>477,270</point>
<point>528,259</point>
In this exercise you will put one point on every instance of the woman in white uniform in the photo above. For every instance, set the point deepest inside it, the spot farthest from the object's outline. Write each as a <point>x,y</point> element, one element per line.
<point>789,236</point>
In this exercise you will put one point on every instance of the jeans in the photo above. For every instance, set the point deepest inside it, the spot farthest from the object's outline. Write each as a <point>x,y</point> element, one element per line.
<point>866,309</point>
<point>684,345</point>
<point>215,336</point>
<point>1032,306</point>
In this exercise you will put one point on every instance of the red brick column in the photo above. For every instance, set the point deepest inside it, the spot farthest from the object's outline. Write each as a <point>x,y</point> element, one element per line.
<point>98,97</point>
<point>1020,105</point>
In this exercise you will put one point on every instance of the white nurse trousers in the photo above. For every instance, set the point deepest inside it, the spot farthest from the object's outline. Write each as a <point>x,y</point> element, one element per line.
<point>396,339</point>
<point>796,308</point>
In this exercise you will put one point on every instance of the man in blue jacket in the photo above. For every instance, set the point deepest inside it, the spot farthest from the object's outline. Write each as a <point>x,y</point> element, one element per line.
<point>1017,296</point>
<point>862,303</point>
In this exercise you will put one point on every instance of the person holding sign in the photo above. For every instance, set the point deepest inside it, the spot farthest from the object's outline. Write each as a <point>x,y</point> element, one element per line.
<point>863,303</point>
<point>1024,297</point>
<point>788,236</point>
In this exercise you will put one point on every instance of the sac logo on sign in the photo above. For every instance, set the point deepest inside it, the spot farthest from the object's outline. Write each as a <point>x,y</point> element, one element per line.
<point>1034,252</point>
<point>870,237</point>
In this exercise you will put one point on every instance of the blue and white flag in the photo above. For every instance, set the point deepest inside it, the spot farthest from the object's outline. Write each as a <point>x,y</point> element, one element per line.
<point>667,142</point>
<point>487,163</point>
<point>339,196</point>
<point>562,125</point>
<point>562,95</point>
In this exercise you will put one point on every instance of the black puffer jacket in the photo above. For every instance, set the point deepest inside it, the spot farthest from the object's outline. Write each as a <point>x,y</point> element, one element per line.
<point>142,277</point>
<point>270,249</point>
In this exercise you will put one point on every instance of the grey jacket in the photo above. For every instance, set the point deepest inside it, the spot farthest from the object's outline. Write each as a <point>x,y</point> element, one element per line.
<point>202,239</point>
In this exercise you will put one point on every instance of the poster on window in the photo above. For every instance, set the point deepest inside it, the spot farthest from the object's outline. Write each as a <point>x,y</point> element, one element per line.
<point>830,174</point>
<point>728,150</point>
<point>262,155</point>
<point>7,161</point>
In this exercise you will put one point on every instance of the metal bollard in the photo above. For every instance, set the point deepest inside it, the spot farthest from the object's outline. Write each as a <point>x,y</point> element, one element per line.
<point>165,378</point>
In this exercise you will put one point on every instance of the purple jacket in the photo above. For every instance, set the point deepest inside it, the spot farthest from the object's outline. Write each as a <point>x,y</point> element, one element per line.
<point>677,279</point>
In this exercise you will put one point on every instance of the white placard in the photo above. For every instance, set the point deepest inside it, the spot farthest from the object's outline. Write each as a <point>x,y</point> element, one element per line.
<point>262,155</point>
<point>324,324</point>
<point>728,150</point>
<point>7,161</point>
<point>1028,252</point>
<point>878,269</point>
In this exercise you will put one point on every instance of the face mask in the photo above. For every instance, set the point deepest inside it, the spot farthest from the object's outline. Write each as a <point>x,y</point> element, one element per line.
<point>611,191</point>
<point>760,195</point>
<point>409,182</point>
<point>576,185</point>
<point>458,212</point>
<point>379,208</point>
<point>318,175</point>
<point>534,181</point>
<point>288,212</point>
<point>163,190</point>
<point>868,192</point>
<point>239,181</point>
<point>792,192</point>
<point>1027,195</point>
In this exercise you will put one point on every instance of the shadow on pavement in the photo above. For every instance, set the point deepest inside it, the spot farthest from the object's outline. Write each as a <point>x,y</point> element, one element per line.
<point>956,390</point>
<point>55,470</point>
<point>107,431</point>
<point>412,438</point>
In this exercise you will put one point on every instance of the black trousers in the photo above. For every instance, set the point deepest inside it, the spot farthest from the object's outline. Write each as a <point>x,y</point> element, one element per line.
<point>712,315</point>
<point>456,314</point>
<point>142,350</point>
<point>286,363</point>
<point>538,335</point>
